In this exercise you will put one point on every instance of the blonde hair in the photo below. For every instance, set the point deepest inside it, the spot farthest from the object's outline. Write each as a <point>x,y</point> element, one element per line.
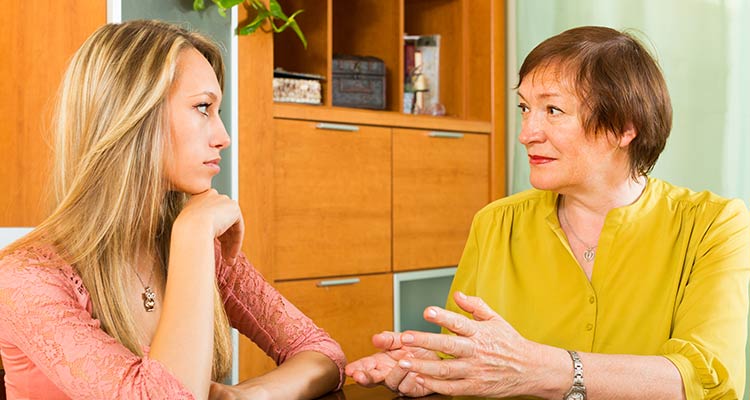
<point>111,128</point>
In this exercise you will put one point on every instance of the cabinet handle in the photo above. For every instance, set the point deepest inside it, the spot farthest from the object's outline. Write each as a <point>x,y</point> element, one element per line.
<point>337,127</point>
<point>447,135</point>
<point>338,282</point>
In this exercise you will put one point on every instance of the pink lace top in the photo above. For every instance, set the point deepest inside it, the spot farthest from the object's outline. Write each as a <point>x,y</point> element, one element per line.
<point>52,348</point>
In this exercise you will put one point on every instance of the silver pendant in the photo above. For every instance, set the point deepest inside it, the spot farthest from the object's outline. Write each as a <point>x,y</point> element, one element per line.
<point>149,299</point>
<point>589,254</point>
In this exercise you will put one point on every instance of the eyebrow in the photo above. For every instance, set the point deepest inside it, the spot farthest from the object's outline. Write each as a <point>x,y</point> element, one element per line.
<point>543,95</point>
<point>208,93</point>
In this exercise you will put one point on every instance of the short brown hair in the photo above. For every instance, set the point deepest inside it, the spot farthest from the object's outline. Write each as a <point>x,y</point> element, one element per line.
<point>617,81</point>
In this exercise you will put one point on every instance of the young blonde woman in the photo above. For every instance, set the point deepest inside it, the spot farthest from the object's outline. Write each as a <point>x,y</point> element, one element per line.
<point>129,288</point>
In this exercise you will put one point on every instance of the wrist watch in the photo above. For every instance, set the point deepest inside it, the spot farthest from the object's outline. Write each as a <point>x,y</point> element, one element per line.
<point>578,390</point>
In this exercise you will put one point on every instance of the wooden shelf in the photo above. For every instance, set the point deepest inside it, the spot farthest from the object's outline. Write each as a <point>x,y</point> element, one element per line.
<point>377,118</point>
<point>376,28</point>
<point>336,204</point>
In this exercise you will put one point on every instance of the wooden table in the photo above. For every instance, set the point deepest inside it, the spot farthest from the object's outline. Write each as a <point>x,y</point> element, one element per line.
<point>356,392</point>
<point>349,392</point>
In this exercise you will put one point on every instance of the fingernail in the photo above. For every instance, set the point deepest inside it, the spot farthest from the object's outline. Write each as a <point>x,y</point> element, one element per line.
<point>420,380</point>
<point>407,338</point>
<point>404,364</point>
<point>432,313</point>
<point>462,295</point>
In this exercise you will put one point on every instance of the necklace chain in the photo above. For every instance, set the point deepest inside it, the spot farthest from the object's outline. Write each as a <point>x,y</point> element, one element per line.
<point>148,296</point>
<point>590,251</point>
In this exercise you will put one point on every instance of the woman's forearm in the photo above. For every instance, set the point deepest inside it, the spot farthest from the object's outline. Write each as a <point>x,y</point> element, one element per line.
<point>493,360</point>
<point>609,376</point>
<point>306,375</point>
<point>183,340</point>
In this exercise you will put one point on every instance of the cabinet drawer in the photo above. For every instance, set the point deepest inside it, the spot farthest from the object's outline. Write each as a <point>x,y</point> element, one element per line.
<point>333,200</point>
<point>350,313</point>
<point>439,182</point>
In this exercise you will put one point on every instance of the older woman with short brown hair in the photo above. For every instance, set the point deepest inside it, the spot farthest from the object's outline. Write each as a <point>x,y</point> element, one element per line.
<point>600,282</point>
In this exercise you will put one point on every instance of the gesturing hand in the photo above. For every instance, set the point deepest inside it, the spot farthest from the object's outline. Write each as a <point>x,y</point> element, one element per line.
<point>382,368</point>
<point>223,215</point>
<point>491,357</point>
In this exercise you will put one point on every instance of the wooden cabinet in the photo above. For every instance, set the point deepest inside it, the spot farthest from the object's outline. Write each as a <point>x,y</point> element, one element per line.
<point>440,179</point>
<point>41,38</point>
<point>327,205</point>
<point>333,199</point>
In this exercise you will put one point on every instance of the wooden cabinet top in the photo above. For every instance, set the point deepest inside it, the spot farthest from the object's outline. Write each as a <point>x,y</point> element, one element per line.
<point>378,118</point>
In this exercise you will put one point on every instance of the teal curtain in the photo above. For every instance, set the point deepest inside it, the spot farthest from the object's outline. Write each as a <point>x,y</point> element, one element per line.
<point>703,47</point>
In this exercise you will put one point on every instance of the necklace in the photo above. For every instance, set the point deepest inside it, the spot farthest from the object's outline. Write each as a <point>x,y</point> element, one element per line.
<point>590,251</point>
<point>148,295</point>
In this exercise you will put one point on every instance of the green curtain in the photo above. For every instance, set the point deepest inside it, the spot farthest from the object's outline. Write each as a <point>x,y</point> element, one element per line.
<point>703,47</point>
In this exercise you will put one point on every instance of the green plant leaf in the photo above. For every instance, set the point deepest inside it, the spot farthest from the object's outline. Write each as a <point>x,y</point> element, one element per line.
<point>199,5</point>
<point>227,4</point>
<point>298,31</point>
<point>275,8</point>
<point>253,25</point>
<point>224,5</point>
<point>291,23</point>
<point>287,22</point>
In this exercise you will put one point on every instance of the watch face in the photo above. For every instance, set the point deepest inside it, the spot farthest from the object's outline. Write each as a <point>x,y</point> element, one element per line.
<point>575,396</point>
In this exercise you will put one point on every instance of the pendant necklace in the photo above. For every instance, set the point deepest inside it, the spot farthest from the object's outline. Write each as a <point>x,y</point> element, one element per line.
<point>148,295</point>
<point>590,251</point>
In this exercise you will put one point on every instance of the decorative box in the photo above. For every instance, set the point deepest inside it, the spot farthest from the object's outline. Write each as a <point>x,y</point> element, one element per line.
<point>358,82</point>
<point>295,87</point>
<point>289,90</point>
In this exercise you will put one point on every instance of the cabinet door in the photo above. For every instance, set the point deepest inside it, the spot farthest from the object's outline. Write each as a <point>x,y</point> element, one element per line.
<point>333,200</point>
<point>350,309</point>
<point>439,181</point>
<point>41,37</point>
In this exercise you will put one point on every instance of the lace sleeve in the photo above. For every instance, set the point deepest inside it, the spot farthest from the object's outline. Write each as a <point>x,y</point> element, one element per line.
<point>261,313</point>
<point>41,313</point>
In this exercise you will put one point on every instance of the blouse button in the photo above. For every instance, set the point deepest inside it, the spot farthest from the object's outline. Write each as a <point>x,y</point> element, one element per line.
<point>589,327</point>
<point>592,299</point>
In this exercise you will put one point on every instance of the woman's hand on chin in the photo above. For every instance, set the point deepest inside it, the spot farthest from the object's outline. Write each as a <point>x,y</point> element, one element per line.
<point>222,215</point>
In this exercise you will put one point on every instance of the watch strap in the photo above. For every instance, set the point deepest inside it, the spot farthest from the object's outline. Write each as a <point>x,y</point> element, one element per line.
<point>578,390</point>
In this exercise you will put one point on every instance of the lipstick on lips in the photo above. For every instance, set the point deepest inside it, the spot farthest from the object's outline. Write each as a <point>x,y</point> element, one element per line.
<point>214,164</point>
<point>539,160</point>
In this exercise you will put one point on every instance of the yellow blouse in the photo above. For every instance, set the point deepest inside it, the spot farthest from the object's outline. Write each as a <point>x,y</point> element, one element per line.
<point>670,278</point>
